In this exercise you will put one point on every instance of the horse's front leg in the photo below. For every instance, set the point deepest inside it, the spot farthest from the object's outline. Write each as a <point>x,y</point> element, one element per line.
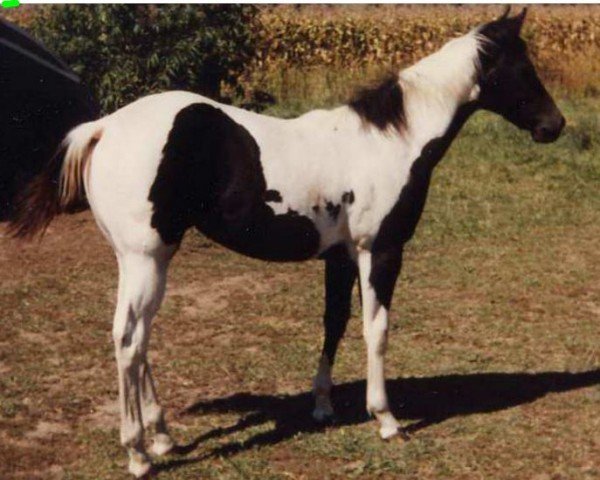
<point>378,273</point>
<point>340,275</point>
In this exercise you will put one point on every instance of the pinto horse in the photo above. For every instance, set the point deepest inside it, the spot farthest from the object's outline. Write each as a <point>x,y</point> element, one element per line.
<point>346,185</point>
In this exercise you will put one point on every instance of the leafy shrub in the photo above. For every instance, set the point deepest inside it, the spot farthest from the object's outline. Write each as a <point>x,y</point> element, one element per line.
<point>125,51</point>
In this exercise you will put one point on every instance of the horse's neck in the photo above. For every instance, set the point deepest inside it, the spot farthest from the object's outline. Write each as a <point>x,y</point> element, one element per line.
<point>437,95</point>
<point>439,91</point>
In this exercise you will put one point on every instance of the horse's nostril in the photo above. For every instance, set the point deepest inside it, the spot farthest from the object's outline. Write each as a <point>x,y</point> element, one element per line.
<point>544,130</point>
<point>549,130</point>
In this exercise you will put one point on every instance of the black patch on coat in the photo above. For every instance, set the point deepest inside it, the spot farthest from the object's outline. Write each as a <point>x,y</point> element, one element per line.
<point>316,208</point>
<point>273,196</point>
<point>348,197</point>
<point>385,267</point>
<point>333,210</point>
<point>340,274</point>
<point>399,225</point>
<point>211,177</point>
<point>382,105</point>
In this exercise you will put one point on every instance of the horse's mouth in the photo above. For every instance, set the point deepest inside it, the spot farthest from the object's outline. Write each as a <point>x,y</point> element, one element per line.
<point>545,137</point>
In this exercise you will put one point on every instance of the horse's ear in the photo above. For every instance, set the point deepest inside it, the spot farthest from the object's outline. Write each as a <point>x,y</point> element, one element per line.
<point>513,25</point>
<point>505,28</point>
<point>519,20</point>
<point>505,13</point>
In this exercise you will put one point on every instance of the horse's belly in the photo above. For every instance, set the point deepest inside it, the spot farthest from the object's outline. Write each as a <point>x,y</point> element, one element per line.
<point>264,235</point>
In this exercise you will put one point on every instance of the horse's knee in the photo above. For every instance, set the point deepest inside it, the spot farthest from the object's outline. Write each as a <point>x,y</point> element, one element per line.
<point>375,333</point>
<point>376,339</point>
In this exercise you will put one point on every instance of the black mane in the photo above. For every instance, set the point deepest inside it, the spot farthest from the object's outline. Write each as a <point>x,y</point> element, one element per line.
<point>382,105</point>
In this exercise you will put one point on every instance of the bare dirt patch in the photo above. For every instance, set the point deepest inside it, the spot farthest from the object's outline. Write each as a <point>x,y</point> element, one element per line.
<point>200,298</point>
<point>46,430</point>
<point>105,414</point>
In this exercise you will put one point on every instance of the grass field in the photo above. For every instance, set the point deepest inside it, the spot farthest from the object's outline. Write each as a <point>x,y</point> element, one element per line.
<point>494,357</point>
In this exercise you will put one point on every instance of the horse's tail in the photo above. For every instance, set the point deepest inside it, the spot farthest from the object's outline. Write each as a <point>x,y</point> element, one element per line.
<point>60,186</point>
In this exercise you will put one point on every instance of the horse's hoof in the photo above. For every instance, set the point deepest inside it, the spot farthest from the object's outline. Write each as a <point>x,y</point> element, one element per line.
<point>392,431</point>
<point>140,467</point>
<point>162,445</point>
<point>323,415</point>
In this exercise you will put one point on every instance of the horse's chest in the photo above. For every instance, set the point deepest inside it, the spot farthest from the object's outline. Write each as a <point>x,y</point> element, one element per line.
<point>399,224</point>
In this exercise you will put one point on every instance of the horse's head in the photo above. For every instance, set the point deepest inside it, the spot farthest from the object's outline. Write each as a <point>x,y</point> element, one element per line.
<point>509,83</point>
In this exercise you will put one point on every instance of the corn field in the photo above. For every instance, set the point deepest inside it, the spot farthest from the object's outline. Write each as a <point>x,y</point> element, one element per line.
<point>564,40</point>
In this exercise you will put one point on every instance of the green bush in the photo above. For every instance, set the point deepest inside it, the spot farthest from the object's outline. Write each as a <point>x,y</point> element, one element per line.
<point>124,51</point>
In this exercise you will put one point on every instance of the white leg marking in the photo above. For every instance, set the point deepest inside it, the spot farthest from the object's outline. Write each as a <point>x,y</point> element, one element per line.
<point>141,287</point>
<point>322,391</point>
<point>153,414</point>
<point>375,327</point>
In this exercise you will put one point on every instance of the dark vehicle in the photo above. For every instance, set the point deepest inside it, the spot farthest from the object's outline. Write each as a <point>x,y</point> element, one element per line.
<point>41,99</point>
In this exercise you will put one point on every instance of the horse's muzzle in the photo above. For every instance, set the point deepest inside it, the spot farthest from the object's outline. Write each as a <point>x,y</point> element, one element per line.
<point>548,130</point>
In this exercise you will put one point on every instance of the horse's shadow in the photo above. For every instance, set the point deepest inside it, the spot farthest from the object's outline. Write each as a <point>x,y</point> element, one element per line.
<point>428,401</point>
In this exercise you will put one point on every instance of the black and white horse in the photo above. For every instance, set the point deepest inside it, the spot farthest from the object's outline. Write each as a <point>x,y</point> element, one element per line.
<point>347,185</point>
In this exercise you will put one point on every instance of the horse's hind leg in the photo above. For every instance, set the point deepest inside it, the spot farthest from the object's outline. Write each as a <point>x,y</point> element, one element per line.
<point>340,275</point>
<point>141,287</point>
